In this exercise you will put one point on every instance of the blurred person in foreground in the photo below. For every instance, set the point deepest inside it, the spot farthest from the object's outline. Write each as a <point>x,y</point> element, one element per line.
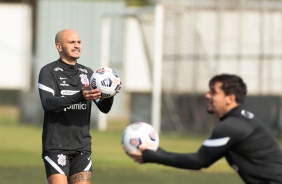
<point>66,99</point>
<point>245,141</point>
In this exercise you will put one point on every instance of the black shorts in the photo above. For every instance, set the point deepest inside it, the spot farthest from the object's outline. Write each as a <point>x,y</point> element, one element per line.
<point>68,164</point>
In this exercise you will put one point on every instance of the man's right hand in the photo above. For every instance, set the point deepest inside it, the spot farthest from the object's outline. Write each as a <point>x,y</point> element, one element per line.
<point>137,155</point>
<point>92,94</point>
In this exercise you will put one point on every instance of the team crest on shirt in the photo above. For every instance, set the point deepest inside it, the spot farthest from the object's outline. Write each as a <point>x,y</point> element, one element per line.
<point>62,159</point>
<point>84,79</point>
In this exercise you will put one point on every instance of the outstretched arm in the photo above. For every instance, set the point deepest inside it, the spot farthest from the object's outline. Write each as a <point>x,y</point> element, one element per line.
<point>193,161</point>
<point>212,149</point>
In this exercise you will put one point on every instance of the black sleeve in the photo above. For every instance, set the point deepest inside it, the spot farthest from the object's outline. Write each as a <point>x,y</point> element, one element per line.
<point>224,137</point>
<point>104,104</point>
<point>193,161</point>
<point>50,102</point>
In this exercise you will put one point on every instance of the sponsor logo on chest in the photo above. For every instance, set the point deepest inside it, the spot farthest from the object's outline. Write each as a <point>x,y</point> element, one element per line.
<point>64,83</point>
<point>78,106</point>
<point>83,79</point>
<point>68,92</point>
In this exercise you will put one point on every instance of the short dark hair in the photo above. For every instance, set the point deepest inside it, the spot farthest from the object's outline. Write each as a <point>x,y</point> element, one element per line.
<point>231,84</point>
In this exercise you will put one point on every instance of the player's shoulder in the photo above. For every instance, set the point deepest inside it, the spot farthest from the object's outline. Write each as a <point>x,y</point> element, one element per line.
<point>239,114</point>
<point>50,66</point>
<point>238,123</point>
<point>84,69</point>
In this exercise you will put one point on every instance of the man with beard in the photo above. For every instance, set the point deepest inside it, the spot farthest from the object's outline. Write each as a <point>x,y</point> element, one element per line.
<point>67,99</point>
<point>245,141</point>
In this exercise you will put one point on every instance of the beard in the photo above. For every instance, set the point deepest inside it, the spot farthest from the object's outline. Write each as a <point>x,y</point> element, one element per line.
<point>75,57</point>
<point>209,109</point>
<point>71,53</point>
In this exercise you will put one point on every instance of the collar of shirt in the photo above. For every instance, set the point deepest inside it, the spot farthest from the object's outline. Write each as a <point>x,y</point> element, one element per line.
<point>67,66</point>
<point>232,112</point>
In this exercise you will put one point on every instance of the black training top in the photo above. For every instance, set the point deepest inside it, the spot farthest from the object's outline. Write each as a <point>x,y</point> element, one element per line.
<point>245,142</point>
<point>66,112</point>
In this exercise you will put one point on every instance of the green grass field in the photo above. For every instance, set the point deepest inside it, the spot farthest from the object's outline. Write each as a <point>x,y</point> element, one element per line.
<point>20,159</point>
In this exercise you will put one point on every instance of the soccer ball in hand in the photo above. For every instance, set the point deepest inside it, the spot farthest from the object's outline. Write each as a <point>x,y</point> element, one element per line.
<point>106,80</point>
<point>139,133</point>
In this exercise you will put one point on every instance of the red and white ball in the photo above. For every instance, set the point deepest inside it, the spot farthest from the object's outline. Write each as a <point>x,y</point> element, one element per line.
<point>139,133</point>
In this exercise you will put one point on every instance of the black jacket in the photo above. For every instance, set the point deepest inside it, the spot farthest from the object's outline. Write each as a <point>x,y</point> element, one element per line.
<point>66,112</point>
<point>245,142</point>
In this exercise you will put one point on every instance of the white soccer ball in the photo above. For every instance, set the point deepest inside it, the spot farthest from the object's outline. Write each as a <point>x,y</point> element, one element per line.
<point>106,80</point>
<point>139,133</point>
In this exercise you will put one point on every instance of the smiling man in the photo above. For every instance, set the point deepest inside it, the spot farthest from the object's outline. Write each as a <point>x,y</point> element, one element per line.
<point>68,44</point>
<point>66,99</point>
<point>245,141</point>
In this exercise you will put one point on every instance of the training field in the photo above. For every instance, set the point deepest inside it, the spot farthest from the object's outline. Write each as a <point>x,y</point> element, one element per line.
<point>20,159</point>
